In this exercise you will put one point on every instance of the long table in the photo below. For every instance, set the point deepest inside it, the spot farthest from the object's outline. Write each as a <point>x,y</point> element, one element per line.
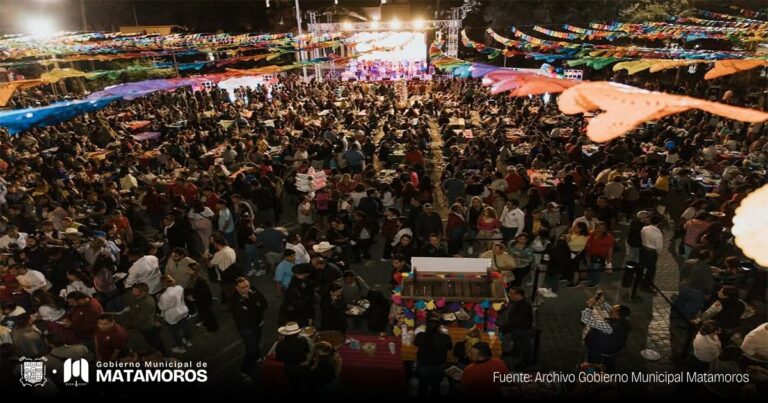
<point>458,335</point>
<point>358,369</point>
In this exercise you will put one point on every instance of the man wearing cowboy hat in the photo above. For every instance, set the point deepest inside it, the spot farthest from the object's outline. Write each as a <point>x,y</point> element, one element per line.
<point>328,252</point>
<point>293,351</point>
<point>248,306</point>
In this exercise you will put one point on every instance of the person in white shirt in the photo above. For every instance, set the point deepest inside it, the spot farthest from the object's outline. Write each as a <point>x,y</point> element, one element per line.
<point>300,156</point>
<point>223,259</point>
<point>77,282</point>
<point>653,242</point>
<point>294,243</point>
<point>512,220</point>
<point>588,219</point>
<point>13,238</point>
<point>755,344</point>
<point>175,313</point>
<point>706,345</point>
<point>49,310</point>
<point>29,280</point>
<point>145,269</point>
<point>305,214</point>
<point>614,189</point>
<point>92,250</point>
<point>127,181</point>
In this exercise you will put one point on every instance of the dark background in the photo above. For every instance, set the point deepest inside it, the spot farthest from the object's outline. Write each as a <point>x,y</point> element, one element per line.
<point>253,16</point>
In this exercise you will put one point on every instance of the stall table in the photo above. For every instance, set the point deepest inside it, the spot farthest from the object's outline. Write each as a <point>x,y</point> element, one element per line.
<point>358,369</point>
<point>458,335</point>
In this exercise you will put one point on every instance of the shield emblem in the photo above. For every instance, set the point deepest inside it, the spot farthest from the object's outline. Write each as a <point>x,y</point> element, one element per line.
<point>33,371</point>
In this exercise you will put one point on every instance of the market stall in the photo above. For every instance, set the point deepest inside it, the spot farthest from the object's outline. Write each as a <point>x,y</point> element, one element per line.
<point>368,361</point>
<point>463,293</point>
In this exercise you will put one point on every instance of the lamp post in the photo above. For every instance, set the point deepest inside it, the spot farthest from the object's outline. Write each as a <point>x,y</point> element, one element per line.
<point>302,54</point>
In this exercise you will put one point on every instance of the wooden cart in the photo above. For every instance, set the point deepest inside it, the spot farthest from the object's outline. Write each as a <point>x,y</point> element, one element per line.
<point>453,279</point>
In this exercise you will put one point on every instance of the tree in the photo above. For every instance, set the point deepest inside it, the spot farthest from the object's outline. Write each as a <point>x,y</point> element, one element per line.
<point>653,10</point>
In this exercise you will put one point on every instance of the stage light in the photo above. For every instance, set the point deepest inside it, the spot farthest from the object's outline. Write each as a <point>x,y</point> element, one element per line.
<point>383,2</point>
<point>418,23</point>
<point>375,24</point>
<point>347,26</point>
<point>267,3</point>
<point>39,25</point>
<point>395,24</point>
<point>748,224</point>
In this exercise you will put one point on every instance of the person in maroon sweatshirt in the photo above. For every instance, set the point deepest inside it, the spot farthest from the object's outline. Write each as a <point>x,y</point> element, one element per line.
<point>84,315</point>
<point>109,338</point>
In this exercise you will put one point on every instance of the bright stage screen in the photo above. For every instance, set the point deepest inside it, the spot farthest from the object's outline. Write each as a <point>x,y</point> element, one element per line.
<point>413,43</point>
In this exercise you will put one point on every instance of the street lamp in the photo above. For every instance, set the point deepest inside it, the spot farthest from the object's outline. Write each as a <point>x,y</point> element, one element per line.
<point>39,25</point>
<point>298,25</point>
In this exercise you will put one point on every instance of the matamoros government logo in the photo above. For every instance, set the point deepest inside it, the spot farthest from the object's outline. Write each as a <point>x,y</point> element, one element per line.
<point>76,372</point>
<point>33,371</point>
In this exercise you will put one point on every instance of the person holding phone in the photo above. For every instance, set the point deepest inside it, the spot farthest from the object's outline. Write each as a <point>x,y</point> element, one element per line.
<point>607,329</point>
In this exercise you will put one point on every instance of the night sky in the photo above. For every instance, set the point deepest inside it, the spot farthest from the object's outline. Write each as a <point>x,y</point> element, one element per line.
<point>198,15</point>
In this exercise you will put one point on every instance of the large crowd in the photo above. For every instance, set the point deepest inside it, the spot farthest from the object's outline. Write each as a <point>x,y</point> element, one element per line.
<point>115,245</point>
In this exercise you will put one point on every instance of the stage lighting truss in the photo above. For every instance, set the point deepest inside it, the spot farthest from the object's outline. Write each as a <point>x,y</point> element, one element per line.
<point>450,27</point>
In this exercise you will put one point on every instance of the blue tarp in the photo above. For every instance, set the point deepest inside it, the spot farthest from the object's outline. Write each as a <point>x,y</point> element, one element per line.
<point>23,119</point>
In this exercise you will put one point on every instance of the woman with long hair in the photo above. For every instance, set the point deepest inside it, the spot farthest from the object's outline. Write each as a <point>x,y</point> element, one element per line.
<point>577,241</point>
<point>488,228</point>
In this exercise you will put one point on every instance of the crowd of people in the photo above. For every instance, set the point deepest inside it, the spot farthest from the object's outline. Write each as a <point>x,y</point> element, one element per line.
<point>114,246</point>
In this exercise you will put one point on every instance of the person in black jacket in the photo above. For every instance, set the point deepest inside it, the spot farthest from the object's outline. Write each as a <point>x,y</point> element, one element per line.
<point>333,310</point>
<point>299,300</point>
<point>519,329</point>
<point>431,357</point>
<point>248,306</point>
<point>324,370</point>
<point>198,294</point>
<point>434,248</point>
<point>634,241</point>
<point>325,274</point>
<point>293,351</point>
<point>371,205</point>
<point>176,235</point>
<point>559,258</point>
<point>427,222</point>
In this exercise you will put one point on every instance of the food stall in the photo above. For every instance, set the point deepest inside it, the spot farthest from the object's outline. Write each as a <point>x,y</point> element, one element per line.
<point>368,362</point>
<point>463,292</point>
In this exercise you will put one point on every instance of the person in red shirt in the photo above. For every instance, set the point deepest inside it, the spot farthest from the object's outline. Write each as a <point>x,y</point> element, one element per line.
<point>83,317</point>
<point>515,182</point>
<point>184,189</point>
<point>414,157</point>
<point>122,224</point>
<point>599,250</point>
<point>481,378</point>
<point>211,198</point>
<point>109,338</point>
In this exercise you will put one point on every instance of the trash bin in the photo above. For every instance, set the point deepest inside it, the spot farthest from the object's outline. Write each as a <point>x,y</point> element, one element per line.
<point>630,271</point>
